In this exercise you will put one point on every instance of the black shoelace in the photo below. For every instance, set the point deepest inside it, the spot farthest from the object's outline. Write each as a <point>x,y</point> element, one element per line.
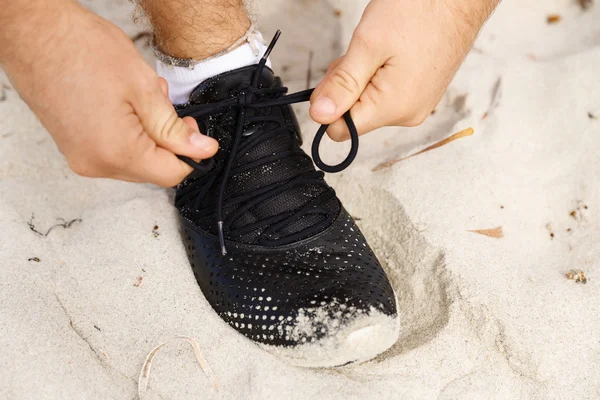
<point>253,97</point>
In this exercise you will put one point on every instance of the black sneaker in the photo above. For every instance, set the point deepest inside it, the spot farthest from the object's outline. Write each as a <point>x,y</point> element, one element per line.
<point>272,248</point>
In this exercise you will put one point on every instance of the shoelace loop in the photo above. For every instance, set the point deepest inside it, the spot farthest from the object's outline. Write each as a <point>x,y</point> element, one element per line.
<point>248,98</point>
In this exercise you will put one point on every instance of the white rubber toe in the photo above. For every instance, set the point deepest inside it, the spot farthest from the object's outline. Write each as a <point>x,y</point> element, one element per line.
<point>362,339</point>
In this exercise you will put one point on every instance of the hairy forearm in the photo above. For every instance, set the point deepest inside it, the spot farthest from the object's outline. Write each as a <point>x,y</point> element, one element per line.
<point>462,21</point>
<point>28,26</point>
<point>473,12</point>
<point>489,7</point>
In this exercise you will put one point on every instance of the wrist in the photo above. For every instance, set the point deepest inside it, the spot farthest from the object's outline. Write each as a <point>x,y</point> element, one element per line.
<point>463,19</point>
<point>29,29</point>
<point>472,12</point>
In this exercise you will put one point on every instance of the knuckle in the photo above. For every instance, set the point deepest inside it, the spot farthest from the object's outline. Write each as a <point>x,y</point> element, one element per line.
<point>173,178</point>
<point>147,80</point>
<point>412,115</point>
<point>167,126</point>
<point>342,78</point>
<point>361,36</point>
<point>337,137</point>
<point>142,87</point>
<point>111,159</point>
<point>334,64</point>
<point>106,156</point>
<point>364,38</point>
<point>170,181</point>
<point>82,167</point>
<point>337,134</point>
<point>415,119</point>
<point>422,116</point>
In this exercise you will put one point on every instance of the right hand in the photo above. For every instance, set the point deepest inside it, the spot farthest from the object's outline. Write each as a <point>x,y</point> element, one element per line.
<point>105,107</point>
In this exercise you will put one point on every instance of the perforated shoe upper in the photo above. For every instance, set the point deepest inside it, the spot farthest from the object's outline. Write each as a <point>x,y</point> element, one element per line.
<point>294,254</point>
<point>261,291</point>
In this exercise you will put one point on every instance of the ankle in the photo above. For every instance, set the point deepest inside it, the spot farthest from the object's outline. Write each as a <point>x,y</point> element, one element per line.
<point>250,37</point>
<point>193,47</point>
<point>196,29</point>
<point>183,75</point>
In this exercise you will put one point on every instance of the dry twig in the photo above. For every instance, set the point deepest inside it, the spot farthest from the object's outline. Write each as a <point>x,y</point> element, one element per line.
<point>553,19</point>
<point>145,372</point>
<point>461,134</point>
<point>493,233</point>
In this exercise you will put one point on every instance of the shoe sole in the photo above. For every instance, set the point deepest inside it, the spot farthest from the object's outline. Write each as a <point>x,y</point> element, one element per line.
<point>365,337</point>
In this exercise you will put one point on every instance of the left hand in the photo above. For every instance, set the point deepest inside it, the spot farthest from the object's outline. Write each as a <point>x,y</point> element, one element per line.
<point>401,58</point>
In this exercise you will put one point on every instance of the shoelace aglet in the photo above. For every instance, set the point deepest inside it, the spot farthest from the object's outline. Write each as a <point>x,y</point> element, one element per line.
<point>263,61</point>
<point>271,45</point>
<point>221,237</point>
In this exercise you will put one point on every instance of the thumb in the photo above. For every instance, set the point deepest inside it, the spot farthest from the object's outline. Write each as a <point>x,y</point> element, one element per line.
<point>161,122</point>
<point>344,83</point>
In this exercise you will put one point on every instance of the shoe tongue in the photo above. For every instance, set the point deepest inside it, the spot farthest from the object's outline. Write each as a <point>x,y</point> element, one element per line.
<point>219,87</point>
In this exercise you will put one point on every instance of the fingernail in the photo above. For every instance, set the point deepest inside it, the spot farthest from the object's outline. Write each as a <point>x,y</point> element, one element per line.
<point>202,141</point>
<point>324,106</point>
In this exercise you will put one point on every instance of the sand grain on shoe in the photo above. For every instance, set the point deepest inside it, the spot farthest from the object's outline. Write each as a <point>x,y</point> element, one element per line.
<point>348,336</point>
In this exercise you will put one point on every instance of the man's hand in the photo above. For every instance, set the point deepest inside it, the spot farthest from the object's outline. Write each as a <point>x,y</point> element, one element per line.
<point>105,107</point>
<point>401,59</point>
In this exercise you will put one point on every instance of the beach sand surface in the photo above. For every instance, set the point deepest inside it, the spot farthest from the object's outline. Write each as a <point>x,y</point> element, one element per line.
<point>93,273</point>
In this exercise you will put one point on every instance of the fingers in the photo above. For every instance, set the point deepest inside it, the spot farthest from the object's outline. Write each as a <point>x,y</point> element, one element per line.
<point>345,82</point>
<point>371,111</point>
<point>161,122</point>
<point>334,64</point>
<point>164,86</point>
<point>135,159</point>
<point>384,102</point>
<point>162,168</point>
<point>366,119</point>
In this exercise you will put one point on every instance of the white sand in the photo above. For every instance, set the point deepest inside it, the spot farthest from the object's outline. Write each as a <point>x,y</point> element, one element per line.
<point>481,317</point>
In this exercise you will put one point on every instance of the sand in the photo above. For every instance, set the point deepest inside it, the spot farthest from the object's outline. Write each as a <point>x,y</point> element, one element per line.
<point>482,316</point>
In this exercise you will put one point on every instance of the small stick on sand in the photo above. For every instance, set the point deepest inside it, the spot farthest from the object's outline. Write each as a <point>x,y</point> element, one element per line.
<point>145,372</point>
<point>493,233</point>
<point>309,70</point>
<point>461,134</point>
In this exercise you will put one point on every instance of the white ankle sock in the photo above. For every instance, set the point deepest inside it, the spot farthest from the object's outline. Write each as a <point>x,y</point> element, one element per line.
<point>183,80</point>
